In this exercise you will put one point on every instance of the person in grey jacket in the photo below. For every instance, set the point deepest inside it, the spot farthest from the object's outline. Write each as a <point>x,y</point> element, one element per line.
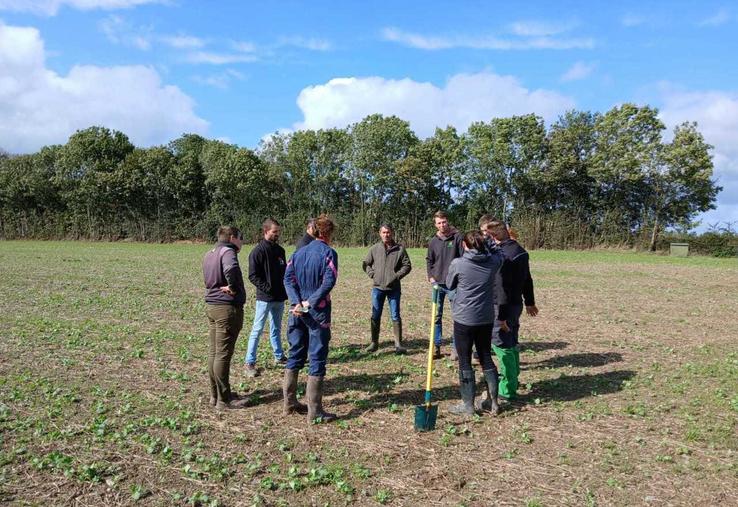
<point>472,277</point>
<point>386,264</point>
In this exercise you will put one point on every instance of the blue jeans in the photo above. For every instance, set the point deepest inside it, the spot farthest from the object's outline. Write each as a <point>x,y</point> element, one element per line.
<point>273,309</point>
<point>378,297</point>
<point>308,336</point>
<point>442,292</point>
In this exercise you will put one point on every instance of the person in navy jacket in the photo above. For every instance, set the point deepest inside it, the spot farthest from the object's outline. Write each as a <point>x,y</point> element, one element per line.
<point>311,274</point>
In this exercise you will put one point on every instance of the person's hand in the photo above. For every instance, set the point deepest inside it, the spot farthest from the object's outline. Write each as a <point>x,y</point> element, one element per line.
<point>531,310</point>
<point>504,327</point>
<point>306,304</point>
<point>432,280</point>
<point>227,289</point>
<point>297,311</point>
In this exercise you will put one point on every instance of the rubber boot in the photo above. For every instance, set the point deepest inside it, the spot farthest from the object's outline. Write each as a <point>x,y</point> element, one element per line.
<point>397,329</point>
<point>374,345</point>
<point>490,403</point>
<point>289,391</point>
<point>315,401</point>
<point>467,387</point>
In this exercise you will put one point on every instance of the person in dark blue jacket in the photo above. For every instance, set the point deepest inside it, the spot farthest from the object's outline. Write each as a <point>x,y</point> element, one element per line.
<point>311,273</point>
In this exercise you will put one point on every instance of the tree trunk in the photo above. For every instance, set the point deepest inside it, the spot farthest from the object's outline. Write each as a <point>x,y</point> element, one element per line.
<point>654,234</point>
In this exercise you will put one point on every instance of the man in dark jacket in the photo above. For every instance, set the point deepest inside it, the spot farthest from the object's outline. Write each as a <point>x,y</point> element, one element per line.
<point>311,274</point>
<point>225,296</point>
<point>310,234</point>
<point>517,284</point>
<point>266,271</point>
<point>445,246</point>
<point>386,264</point>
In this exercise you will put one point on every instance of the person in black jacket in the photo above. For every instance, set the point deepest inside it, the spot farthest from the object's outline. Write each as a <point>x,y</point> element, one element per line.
<point>311,232</point>
<point>517,284</point>
<point>444,246</point>
<point>266,271</point>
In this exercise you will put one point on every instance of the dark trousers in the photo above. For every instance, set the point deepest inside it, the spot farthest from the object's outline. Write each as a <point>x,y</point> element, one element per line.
<point>224,324</point>
<point>308,336</point>
<point>478,336</point>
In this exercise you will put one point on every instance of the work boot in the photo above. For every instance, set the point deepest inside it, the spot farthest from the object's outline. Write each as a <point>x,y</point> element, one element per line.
<point>374,345</point>
<point>289,391</point>
<point>250,370</point>
<point>437,352</point>
<point>397,328</point>
<point>467,388</point>
<point>315,401</point>
<point>490,403</point>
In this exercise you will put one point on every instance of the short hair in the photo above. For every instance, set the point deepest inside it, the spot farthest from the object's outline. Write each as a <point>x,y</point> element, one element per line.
<point>268,223</point>
<point>498,229</point>
<point>485,220</point>
<point>325,226</point>
<point>387,226</point>
<point>226,231</point>
<point>440,214</point>
<point>473,239</point>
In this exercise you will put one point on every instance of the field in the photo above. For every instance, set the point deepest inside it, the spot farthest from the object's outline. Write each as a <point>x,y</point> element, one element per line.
<point>630,390</point>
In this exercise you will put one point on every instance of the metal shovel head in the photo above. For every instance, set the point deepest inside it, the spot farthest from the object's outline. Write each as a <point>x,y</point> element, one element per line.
<point>425,417</point>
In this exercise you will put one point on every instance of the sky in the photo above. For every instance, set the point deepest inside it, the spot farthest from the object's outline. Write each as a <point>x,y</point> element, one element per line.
<point>241,70</point>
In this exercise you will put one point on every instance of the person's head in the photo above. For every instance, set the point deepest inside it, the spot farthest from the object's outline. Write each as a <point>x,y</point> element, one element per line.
<point>387,233</point>
<point>310,227</point>
<point>230,234</point>
<point>484,222</point>
<point>324,227</point>
<point>440,220</point>
<point>271,229</point>
<point>497,229</point>
<point>473,240</point>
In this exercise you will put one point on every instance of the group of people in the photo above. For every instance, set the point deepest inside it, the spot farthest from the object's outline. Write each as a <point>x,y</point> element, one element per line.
<point>484,273</point>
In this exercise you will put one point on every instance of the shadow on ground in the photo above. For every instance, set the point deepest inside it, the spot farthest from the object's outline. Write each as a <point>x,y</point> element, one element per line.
<point>541,346</point>
<point>570,388</point>
<point>585,359</point>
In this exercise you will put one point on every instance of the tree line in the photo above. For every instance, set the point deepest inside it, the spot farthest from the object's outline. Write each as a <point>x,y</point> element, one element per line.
<point>588,179</point>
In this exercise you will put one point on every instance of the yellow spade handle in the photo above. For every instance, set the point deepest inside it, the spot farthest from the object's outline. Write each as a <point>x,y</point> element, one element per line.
<point>429,375</point>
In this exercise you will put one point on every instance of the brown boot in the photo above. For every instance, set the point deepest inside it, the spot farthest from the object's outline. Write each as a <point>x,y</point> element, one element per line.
<point>289,391</point>
<point>397,328</point>
<point>374,345</point>
<point>315,401</point>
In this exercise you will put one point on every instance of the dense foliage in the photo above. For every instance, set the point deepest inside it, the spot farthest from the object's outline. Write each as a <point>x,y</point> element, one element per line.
<point>589,179</point>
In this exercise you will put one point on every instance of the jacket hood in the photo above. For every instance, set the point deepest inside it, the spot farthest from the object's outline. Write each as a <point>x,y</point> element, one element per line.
<point>450,235</point>
<point>475,256</point>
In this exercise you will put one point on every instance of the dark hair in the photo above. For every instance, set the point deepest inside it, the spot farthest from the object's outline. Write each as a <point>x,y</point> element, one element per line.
<point>310,222</point>
<point>325,226</point>
<point>498,229</point>
<point>440,214</point>
<point>268,223</point>
<point>485,220</point>
<point>387,226</point>
<point>226,231</point>
<point>474,240</point>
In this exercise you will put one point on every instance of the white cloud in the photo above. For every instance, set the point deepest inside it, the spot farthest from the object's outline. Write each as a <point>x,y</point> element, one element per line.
<point>119,31</point>
<point>539,28</point>
<point>719,18</point>
<point>182,41</point>
<point>39,106</point>
<point>222,80</point>
<point>579,70</point>
<point>243,46</point>
<point>310,43</point>
<point>631,20</point>
<point>213,58</point>
<point>419,41</point>
<point>465,98</point>
<point>51,7</point>
<point>716,114</point>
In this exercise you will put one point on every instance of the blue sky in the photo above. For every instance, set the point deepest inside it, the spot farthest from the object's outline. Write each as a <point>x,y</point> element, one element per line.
<point>238,70</point>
